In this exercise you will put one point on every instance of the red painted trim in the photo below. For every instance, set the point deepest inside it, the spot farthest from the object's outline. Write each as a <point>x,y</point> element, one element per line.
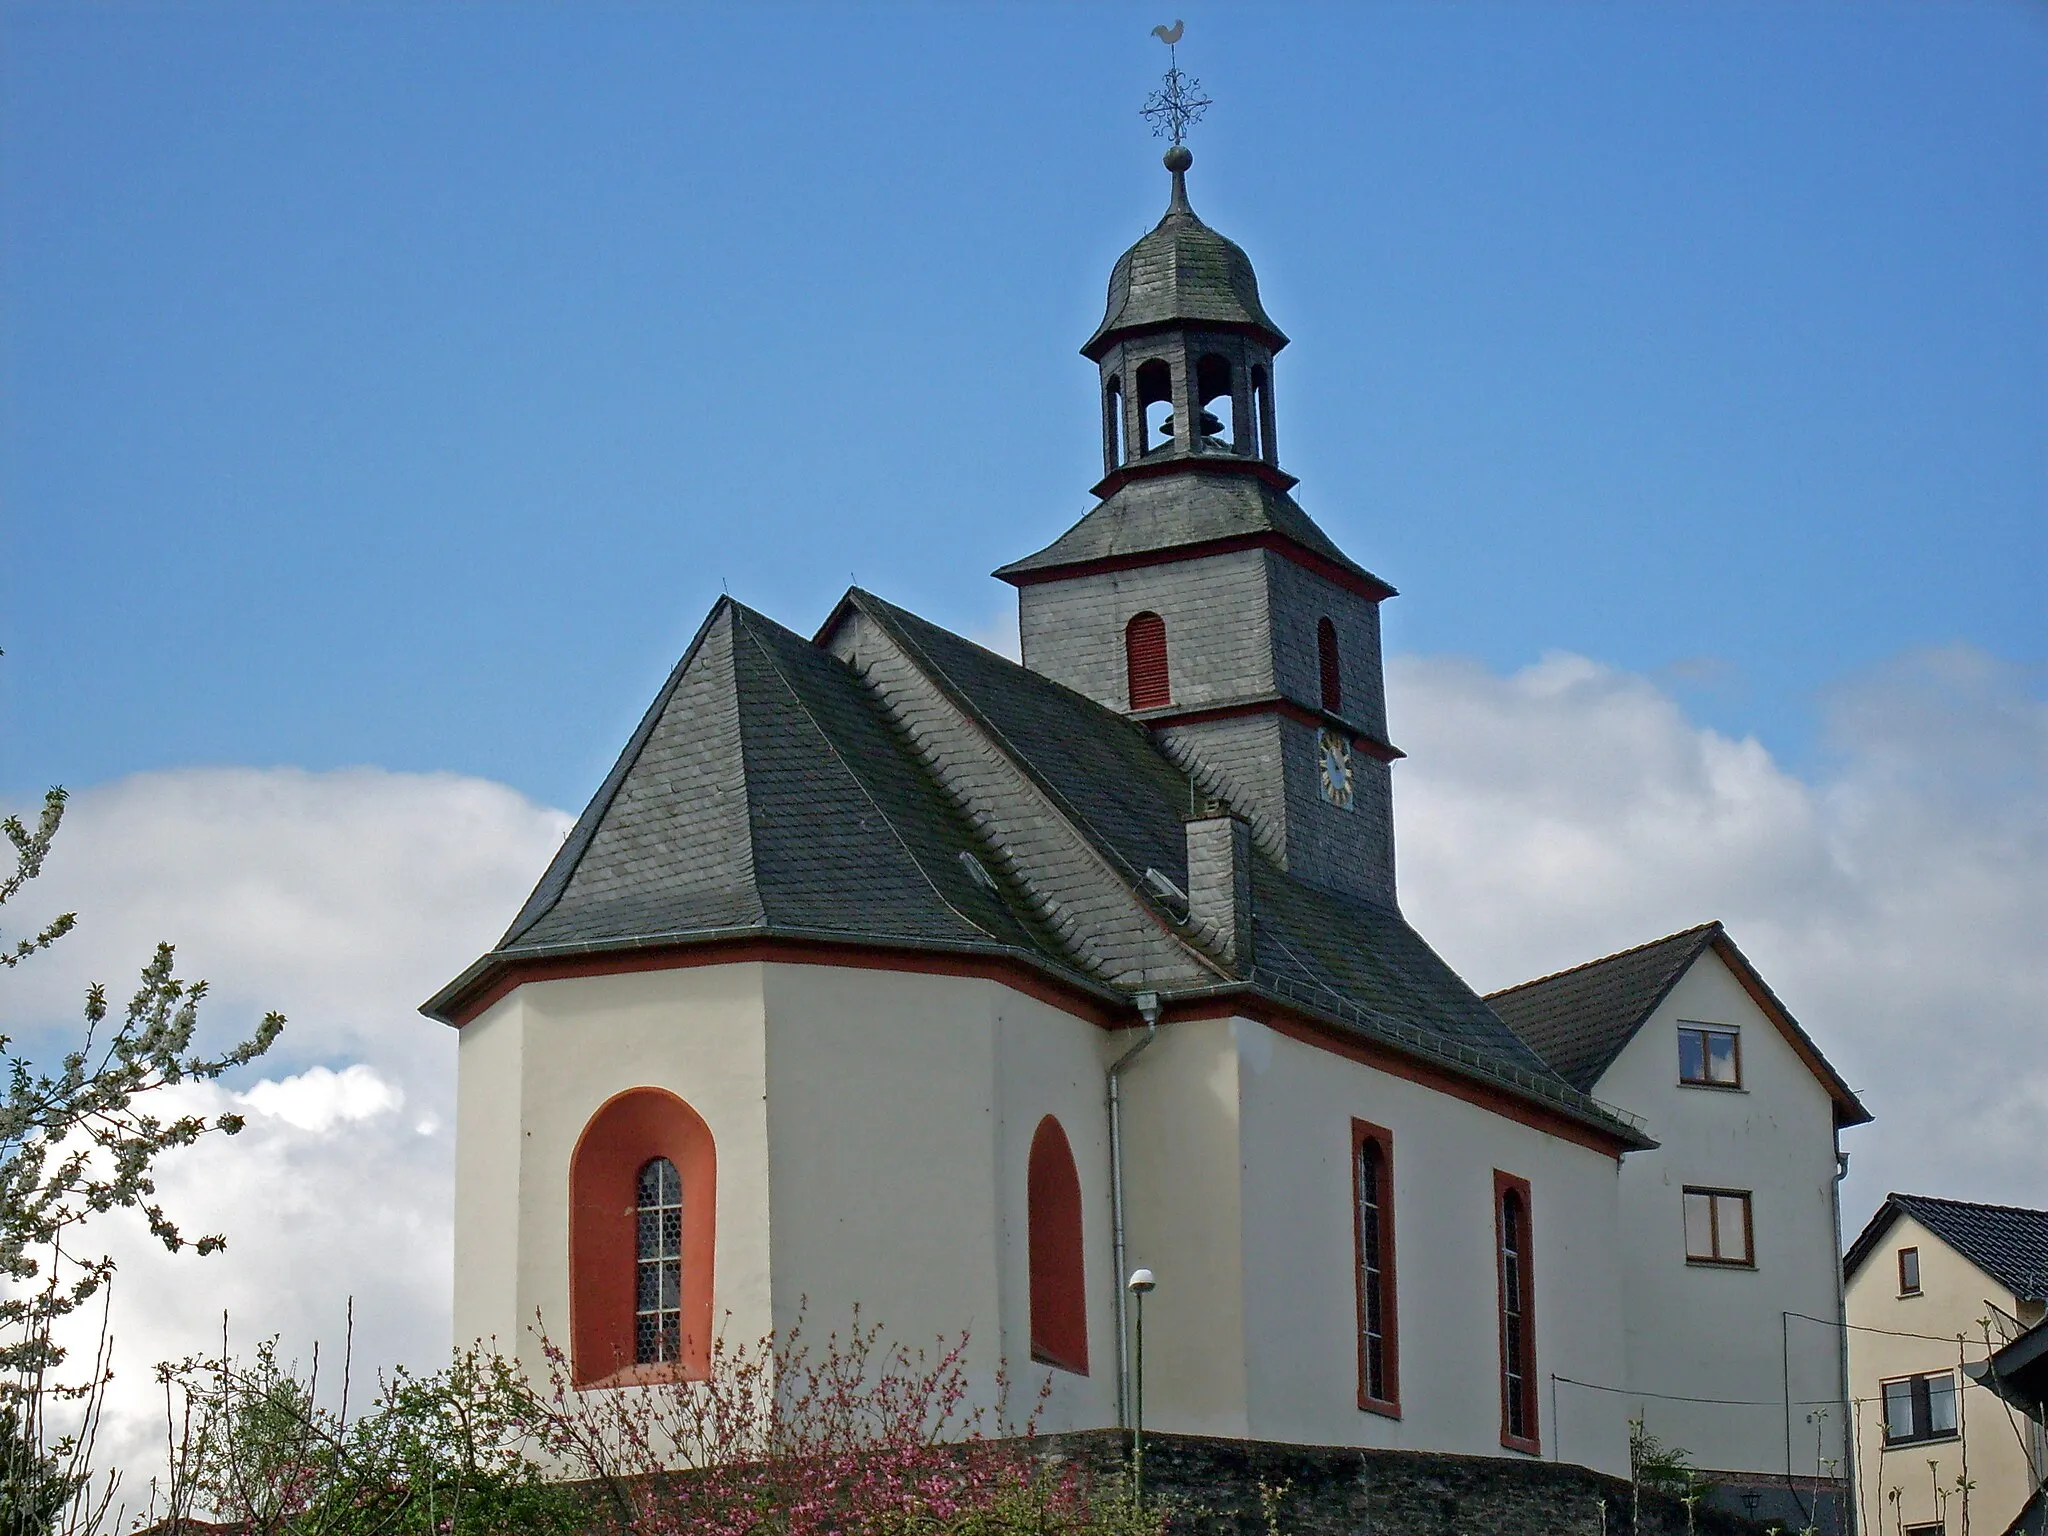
<point>1505,1184</point>
<point>629,1129</point>
<point>1381,1058</point>
<point>1364,1133</point>
<point>1287,709</point>
<point>1048,990</point>
<point>1366,586</point>
<point>1016,975</point>
<point>1059,1284</point>
<point>1156,467</point>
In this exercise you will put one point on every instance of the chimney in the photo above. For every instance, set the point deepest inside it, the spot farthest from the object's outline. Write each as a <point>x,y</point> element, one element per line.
<point>1220,881</point>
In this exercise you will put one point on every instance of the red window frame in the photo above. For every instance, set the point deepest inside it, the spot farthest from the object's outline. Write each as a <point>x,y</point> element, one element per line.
<point>1515,1279</point>
<point>1379,1275</point>
<point>628,1130</point>
<point>1059,1280</point>
<point>1145,669</point>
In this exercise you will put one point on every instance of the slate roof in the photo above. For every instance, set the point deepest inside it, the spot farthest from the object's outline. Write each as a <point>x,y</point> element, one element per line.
<point>1130,797</point>
<point>2008,1242</point>
<point>1187,508</point>
<point>1579,1020</point>
<point>1182,271</point>
<point>767,793</point>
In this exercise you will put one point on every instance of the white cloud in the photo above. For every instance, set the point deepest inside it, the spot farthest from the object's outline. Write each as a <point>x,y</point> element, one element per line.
<point>343,900</point>
<point>318,1098</point>
<point>1897,900</point>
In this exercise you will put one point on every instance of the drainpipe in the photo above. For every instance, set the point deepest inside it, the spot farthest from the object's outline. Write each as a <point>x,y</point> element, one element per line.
<point>1854,1498</point>
<point>1148,1009</point>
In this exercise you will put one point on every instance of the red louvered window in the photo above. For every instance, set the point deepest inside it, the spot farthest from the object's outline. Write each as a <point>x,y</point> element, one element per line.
<point>1059,1286</point>
<point>1326,660</point>
<point>1145,661</point>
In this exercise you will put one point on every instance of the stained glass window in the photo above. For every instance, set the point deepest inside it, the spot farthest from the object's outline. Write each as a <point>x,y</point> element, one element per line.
<point>658,1288</point>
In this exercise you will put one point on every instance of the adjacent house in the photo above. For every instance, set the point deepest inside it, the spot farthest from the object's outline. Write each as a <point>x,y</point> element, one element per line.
<point>1946,1308</point>
<point>1730,1282</point>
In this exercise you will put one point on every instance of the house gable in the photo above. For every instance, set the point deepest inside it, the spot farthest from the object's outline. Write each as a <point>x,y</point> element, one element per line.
<point>1580,1020</point>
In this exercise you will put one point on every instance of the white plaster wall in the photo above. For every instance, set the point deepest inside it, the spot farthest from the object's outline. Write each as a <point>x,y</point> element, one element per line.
<point>489,1153</point>
<point>901,1109</point>
<point>1298,1102</point>
<point>1183,1171</point>
<point>1704,1331</point>
<point>1238,1181</point>
<point>1954,1295</point>
<point>552,1053</point>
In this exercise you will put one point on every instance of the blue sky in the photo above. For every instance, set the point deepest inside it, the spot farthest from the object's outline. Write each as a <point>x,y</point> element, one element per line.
<point>400,384</point>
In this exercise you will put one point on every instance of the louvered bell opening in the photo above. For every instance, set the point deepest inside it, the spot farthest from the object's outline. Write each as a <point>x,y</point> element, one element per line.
<point>1145,661</point>
<point>1333,674</point>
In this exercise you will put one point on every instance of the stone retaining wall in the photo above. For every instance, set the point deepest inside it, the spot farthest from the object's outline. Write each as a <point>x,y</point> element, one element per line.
<point>1338,1491</point>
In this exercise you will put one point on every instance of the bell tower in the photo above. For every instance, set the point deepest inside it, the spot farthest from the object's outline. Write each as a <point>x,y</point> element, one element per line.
<point>1197,597</point>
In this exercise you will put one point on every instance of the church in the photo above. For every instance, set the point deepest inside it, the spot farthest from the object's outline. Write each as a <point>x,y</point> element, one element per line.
<point>883,970</point>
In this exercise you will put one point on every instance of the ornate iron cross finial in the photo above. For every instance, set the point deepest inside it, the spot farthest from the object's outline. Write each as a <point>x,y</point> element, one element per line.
<point>1179,100</point>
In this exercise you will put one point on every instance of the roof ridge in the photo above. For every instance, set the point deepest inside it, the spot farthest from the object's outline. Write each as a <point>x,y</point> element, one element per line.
<point>847,766</point>
<point>556,879</point>
<point>1970,1205</point>
<point>1619,954</point>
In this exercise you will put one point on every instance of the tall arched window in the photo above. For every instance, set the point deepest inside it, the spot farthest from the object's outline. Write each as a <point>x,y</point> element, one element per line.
<point>1059,1287</point>
<point>1372,1186</point>
<point>1329,667</point>
<point>643,1187</point>
<point>1517,1313</point>
<point>1145,661</point>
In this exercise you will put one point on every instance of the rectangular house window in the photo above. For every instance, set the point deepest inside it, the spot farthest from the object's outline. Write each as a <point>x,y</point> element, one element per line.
<point>1937,1528</point>
<point>1709,1057</point>
<point>1909,1271</point>
<point>1717,1227</point>
<point>1920,1408</point>
<point>1515,1251</point>
<point>1372,1205</point>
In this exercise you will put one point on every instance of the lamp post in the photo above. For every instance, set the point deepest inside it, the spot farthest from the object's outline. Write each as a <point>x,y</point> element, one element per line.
<point>1140,1282</point>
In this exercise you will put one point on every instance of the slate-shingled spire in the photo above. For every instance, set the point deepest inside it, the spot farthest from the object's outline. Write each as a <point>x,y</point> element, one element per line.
<point>1196,527</point>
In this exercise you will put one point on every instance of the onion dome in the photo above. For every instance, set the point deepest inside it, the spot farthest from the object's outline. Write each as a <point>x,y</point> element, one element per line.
<point>1182,273</point>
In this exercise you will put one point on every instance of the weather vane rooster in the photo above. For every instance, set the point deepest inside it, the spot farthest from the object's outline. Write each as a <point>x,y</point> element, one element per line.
<point>1179,100</point>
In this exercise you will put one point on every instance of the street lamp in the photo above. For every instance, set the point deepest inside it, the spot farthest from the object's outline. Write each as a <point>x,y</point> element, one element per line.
<point>1140,1282</point>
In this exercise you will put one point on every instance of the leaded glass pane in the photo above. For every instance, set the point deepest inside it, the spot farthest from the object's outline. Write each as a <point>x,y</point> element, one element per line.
<point>658,1278</point>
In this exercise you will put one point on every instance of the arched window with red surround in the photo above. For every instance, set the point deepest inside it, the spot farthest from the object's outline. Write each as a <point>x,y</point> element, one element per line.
<point>643,1187</point>
<point>1327,664</point>
<point>1145,661</point>
<point>1516,1255</point>
<point>1059,1287</point>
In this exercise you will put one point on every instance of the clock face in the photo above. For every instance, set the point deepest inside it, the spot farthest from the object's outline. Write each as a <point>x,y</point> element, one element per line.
<point>1335,752</point>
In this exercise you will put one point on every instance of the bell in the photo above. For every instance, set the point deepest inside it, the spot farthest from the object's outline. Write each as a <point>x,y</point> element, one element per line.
<point>1209,425</point>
